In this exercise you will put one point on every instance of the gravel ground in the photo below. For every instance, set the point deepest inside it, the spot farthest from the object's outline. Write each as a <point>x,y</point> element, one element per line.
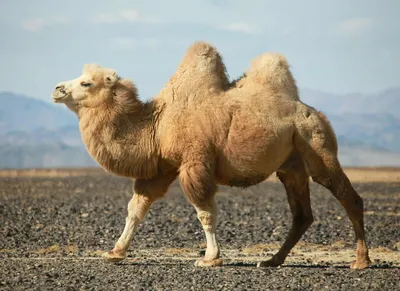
<point>53,229</point>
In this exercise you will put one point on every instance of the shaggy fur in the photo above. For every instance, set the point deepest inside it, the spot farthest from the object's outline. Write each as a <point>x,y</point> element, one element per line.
<point>207,131</point>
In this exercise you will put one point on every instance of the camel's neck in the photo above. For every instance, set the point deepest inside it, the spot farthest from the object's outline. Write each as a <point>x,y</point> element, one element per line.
<point>121,143</point>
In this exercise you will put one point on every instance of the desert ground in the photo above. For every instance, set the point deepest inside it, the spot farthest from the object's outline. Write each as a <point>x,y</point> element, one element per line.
<point>55,224</point>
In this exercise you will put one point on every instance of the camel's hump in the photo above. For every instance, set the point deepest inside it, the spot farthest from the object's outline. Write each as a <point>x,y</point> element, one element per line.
<point>204,61</point>
<point>273,70</point>
<point>268,66</point>
<point>201,68</point>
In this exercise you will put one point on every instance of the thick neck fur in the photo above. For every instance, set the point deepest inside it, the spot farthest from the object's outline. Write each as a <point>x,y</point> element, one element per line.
<point>120,136</point>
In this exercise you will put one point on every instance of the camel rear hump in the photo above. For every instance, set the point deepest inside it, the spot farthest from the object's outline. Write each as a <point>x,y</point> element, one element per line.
<point>272,70</point>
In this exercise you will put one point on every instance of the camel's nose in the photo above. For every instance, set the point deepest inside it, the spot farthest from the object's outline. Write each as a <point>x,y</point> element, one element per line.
<point>60,88</point>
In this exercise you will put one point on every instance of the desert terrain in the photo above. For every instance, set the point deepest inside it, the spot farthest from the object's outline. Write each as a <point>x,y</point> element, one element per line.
<point>54,225</point>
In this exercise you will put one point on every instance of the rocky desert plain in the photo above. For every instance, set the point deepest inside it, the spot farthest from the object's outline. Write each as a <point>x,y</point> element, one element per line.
<point>55,224</point>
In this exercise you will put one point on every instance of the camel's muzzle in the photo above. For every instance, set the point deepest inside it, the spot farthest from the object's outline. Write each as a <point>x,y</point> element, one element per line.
<point>59,94</point>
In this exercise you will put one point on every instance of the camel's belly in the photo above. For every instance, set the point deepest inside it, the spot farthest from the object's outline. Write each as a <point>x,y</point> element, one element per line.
<point>253,152</point>
<point>239,171</point>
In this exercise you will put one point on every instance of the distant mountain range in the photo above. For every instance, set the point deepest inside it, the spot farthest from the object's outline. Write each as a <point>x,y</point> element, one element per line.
<point>35,133</point>
<point>361,121</point>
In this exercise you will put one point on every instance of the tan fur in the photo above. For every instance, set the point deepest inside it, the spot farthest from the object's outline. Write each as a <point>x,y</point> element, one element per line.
<point>270,70</point>
<point>201,70</point>
<point>208,131</point>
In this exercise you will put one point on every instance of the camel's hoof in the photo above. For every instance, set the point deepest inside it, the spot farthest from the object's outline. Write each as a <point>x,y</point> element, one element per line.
<point>208,263</point>
<point>113,256</point>
<point>360,264</point>
<point>269,263</point>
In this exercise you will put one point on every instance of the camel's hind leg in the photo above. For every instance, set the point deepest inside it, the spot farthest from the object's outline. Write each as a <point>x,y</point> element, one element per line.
<point>296,182</point>
<point>316,142</point>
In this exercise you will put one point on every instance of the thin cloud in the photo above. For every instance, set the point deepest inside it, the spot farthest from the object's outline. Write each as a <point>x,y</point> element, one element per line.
<point>42,22</point>
<point>354,25</point>
<point>242,27</point>
<point>128,43</point>
<point>122,16</point>
<point>123,43</point>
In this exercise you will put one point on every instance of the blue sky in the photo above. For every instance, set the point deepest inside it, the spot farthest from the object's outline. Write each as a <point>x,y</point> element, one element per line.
<point>337,46</point>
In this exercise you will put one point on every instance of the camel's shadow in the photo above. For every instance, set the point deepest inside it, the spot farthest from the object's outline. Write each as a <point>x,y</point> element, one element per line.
<point>304,266</point>
<point>254,265</point>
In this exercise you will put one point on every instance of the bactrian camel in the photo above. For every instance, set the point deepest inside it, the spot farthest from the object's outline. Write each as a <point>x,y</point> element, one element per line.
<point>208,131</point>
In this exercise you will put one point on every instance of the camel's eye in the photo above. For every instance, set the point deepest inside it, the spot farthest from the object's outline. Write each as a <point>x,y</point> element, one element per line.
<point>86,84</point>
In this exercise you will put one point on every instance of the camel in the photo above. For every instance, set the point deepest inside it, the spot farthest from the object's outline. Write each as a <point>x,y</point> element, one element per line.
<point>207,131</point>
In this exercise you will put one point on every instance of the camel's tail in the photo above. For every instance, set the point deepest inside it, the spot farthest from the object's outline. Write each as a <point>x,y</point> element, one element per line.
<point>272,70</point>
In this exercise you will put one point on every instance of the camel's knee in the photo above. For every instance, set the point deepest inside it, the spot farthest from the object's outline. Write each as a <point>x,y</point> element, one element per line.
<point>207,219</point>
<point>138,207</point>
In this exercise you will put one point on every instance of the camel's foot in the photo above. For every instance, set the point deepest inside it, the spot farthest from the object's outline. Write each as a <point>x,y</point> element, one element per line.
<point>114,256</point>
<point>273,262</point>
<point>361,263</point>
<point>208,262</point>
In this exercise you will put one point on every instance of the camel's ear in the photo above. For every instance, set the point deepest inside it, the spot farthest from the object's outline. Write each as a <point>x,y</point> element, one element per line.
<point>111,78</point>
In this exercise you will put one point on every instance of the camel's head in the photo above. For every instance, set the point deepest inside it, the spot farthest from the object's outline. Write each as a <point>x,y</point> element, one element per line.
<point>95,86</point>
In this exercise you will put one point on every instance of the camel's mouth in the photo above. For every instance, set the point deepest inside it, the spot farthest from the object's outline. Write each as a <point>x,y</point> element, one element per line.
<point>59,96</point>
<point>60,99</point>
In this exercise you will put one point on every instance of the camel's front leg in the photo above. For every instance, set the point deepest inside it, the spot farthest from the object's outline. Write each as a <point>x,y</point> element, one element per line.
<point>197,182</point>
<point>207,214</point>
<point>146,192</point>
<point>137,209</point>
